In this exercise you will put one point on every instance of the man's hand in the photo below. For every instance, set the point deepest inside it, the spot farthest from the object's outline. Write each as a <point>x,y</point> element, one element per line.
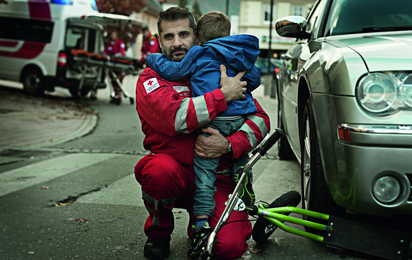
<point>212,146</point>
<point>232,88</point>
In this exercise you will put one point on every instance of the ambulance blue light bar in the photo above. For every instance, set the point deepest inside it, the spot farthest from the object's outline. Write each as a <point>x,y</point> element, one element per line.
<point>94,5</point>
<point>62,2</point>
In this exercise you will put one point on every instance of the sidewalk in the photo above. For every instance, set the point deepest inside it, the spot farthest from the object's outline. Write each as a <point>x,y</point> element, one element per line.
<point>29,122</point>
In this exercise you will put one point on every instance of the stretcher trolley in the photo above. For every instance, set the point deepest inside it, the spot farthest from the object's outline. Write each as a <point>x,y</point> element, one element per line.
<point>86,63</point>
<point>98,64</point>
<point>116,67</point>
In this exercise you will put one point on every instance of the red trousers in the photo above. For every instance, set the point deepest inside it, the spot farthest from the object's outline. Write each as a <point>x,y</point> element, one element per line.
<point>116,88</point>
<point>166,184</point>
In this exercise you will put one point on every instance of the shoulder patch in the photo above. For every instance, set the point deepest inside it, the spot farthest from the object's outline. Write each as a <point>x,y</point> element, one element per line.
<point>150,85</point>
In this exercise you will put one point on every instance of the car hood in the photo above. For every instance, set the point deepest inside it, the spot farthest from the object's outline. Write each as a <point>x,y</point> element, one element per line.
<point>383,52</point>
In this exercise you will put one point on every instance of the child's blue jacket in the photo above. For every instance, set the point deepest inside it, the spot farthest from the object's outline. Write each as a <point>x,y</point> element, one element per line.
<point>201,64</point>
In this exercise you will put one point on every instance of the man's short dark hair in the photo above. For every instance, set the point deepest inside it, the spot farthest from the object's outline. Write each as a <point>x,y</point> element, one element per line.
<point>173,14</point>
<point>145,28</point>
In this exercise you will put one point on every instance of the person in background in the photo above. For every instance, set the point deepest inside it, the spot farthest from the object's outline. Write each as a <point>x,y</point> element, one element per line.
<point>115,47</point>
<point>150,45</point>
<point>201,64</point>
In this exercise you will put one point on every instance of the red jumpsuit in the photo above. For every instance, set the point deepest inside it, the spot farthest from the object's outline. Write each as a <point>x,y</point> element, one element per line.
<point>150,45</point>
<point>115,48</point>
<point>169,117</point>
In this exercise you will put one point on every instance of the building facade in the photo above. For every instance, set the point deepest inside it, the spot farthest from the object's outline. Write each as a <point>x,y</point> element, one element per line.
<point>254,19</point>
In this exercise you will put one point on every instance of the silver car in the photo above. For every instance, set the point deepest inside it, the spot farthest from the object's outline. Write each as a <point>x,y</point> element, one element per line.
<point>345,105</point>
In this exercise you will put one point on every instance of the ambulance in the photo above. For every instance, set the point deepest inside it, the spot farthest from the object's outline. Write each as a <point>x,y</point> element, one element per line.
<point>36,41</point>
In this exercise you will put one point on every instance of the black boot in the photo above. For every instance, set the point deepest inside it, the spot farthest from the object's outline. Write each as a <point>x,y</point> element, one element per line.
<point>157,248</point>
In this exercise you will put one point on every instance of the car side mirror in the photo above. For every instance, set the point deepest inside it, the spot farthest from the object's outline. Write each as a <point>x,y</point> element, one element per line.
<point>292,26</point>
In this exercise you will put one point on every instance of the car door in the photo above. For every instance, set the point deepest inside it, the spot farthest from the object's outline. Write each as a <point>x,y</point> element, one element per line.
<point>295,59</point>
<point>290,93</point>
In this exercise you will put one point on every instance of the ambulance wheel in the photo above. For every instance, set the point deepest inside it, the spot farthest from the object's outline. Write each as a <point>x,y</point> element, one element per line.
<point>131,100</point>
<point>33,81</point>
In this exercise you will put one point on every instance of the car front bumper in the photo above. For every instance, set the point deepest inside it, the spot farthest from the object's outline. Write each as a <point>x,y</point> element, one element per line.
<point>381,147</point>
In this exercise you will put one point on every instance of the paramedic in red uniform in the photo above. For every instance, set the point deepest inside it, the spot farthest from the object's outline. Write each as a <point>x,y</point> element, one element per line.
<point>170,117</point>
<point>150,44</point>
<point>115,47</point>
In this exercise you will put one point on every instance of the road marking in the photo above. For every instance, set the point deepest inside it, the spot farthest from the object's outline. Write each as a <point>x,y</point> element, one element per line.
<point>29,175</point>
<point>126,191</point>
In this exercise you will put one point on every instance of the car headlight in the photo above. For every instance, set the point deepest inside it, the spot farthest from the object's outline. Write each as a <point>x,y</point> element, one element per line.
<point>385,92</point>
<point>406,89</point>
<point>386,189</point>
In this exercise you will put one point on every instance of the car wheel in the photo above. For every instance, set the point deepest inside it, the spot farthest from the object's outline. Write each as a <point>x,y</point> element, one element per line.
<point>284,150</point>
<point>33,81</point>
<point>315,193</point>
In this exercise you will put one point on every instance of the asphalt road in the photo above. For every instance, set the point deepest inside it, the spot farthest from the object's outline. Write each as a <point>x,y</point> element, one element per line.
<point>79,199</point>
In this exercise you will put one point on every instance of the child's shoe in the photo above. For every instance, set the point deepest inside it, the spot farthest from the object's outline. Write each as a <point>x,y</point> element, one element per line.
<point>247,195</point>
<point>200,236</point>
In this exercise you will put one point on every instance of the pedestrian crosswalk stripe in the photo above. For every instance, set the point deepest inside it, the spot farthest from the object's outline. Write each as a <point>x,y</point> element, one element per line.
<point>36,173</point>
<point>126,191</point>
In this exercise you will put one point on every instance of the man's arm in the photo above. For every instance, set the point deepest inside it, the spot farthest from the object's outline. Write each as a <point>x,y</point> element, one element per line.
<point>122,49</point>
<point>154,44</point>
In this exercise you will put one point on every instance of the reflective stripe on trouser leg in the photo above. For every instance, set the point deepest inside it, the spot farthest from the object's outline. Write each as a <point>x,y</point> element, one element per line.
<point>159,206</point>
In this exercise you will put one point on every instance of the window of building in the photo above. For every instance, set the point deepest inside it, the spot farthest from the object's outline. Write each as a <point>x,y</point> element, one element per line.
<point>298,10</point>
<point>266,14</point>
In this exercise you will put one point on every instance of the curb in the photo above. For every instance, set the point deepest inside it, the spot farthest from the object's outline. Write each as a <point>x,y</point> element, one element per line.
<point>88,126</point>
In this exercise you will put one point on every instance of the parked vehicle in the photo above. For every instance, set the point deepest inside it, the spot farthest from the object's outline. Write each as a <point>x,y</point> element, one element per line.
<point>36,44</point>
<point>262,64</point>
<point>345,105</point>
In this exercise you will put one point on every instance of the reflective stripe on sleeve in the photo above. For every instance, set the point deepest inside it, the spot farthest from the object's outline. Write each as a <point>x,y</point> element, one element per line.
<point>201,110</point>
<point>260,123</point>
<point>202,113</point>
<point>180,121</point>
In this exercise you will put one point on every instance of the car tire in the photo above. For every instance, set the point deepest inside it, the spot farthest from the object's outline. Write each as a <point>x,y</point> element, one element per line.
<point>285,152</point>
<point>315,193</point>
<point>34,81</point>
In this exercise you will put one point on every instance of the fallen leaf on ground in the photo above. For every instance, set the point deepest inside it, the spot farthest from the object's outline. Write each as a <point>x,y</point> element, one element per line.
<point>255,250</point>
<point>61,204</point>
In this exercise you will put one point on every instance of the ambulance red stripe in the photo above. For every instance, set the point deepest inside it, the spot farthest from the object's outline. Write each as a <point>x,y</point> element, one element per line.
<point>39,9</point>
